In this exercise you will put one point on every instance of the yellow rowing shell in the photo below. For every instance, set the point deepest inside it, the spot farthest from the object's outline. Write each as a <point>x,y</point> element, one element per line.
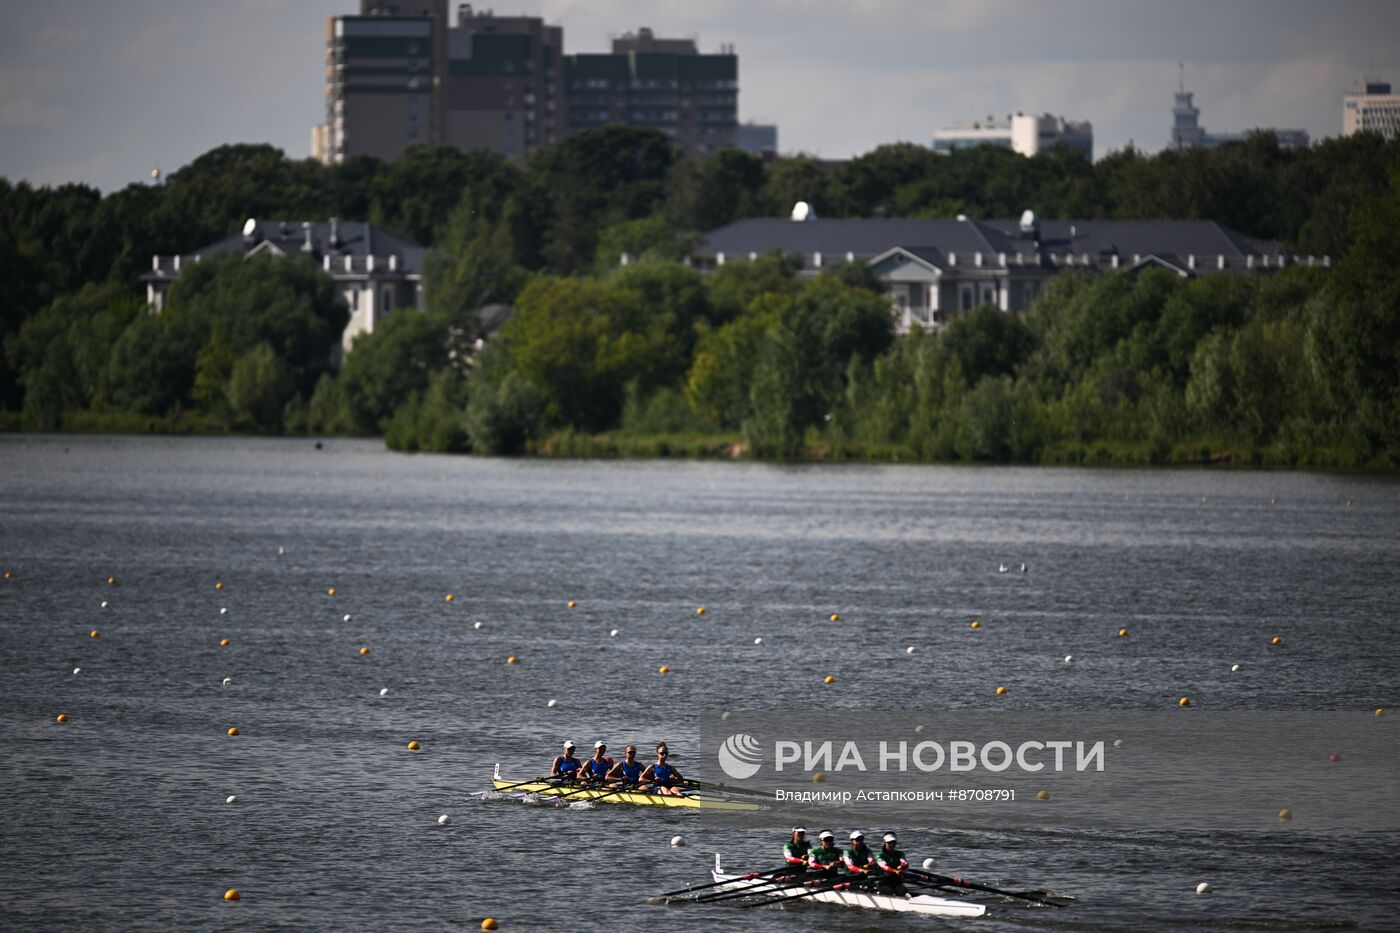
<point>635,798</point>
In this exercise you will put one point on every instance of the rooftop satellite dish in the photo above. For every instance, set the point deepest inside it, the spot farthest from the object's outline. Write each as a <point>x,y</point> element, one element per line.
<point>803,211</point>
<point>250,227</point>
<point>1029,222</point>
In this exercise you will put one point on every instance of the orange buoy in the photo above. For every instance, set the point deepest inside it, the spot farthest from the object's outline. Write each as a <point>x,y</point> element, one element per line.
<point>1001,691</point>
<point>450,597</point>
<point>663,669</point>
<point>829,680</point>
<point>512,660</point>
<point>1184,701</point>
<point>223,642</point>
<point>976,624</point>
<point>218,585</point>
<point>232,895</point>
<point>413,746</point>
<point>364,650</point>
<point>62,717</point>
<point>330,592</point>
<point>94,634</point>
<point>233,730</point>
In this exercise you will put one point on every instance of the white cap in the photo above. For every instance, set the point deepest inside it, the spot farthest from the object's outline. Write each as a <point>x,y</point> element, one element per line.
<point>857,834</point>
<point>568,744</point>
<point>889,837</point>
<point>600,744</point>
<point>798,829</point>
<point>827,834</point>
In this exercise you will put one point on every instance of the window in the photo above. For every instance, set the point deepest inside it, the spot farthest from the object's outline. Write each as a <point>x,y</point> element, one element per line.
<point>965,297</point>
<point>386,299</point>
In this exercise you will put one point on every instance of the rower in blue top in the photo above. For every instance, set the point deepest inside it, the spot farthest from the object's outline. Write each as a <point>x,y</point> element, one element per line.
<point>566,766</point>
<point>595,770</point>
<point>663,778</point>
<point>628,771</point>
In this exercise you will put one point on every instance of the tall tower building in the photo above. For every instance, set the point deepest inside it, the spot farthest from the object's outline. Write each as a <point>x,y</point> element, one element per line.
<point>382,72</point>
<point>665,84</point>
<point>1187,132</point>
<point>1370,107</point>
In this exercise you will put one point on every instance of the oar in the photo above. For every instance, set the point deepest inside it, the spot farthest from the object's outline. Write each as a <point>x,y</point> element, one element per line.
<point>538,780</point>
<point>839,885</point>
<point>608,791</point>
<point>726,789</point>
<point>751,876</point>
<point>769,886</point>
<point>960,883</point>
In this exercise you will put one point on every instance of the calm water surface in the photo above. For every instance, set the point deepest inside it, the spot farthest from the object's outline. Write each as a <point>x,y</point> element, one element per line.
<point>117,820</point>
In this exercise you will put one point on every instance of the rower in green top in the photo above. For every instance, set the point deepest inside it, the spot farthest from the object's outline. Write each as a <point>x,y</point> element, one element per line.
<point>858,859</point>
<point>824,859</point>
<point>795,852</point>
<point>891,864</point>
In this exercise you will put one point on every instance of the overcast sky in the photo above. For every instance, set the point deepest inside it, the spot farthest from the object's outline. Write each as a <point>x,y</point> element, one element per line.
<point>101,91</point>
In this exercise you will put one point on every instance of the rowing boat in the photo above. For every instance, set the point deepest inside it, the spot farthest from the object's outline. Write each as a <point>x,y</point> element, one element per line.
<point>925,904</point>
<point>573,792</point>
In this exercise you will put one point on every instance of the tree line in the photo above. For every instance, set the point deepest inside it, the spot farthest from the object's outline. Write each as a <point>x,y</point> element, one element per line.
<point>653,357</point>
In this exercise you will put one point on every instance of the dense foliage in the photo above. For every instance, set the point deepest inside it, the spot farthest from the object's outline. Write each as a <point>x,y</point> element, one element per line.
<point>1291,368</point>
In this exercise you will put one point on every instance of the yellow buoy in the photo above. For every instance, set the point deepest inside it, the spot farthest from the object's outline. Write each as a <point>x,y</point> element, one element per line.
<point>62,717</point>
<point>699,610</point>
<point>1285,814</point>
<point>1380,710</point>
<point>1276,640</point>
<point>364,651</point>
<point>829,679</point>
<point>94,634</point>
<point>489,923</point>
<point>1001,691</point>
<point>413,746</point>
<point>572,604</point>
<point>835,617</point>
<point>330,592</point>
<point>1043,795</point>
<point>111,581</point>
<point>232,730</point>
<point>1122,633</point>
<point>223,642</point>
<point>818,777</point>
<point>663,669</point>
<point>976,624</point>
<point>218,585</point>
<point>232,895</point>
<point>512,660</point>
<point>9,575</point>
<point>450,597</point>
<point>1184,701</point>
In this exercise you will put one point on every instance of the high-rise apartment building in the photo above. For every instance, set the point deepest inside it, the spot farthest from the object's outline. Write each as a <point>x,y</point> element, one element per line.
<point>400,73</point>
<point>1370,107</point>
<point>665,84</point>
<point>382,70</point>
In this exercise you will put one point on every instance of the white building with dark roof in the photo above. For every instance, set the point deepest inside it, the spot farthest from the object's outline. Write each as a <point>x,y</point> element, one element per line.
<point>375,272</point>
<point>935,269</point>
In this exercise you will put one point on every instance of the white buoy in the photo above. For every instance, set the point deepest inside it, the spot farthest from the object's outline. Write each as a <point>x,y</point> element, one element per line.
<point>677,841</point>
<point>1234,667</point>
<point>476,625</point>
<point>552,703</point>
<point>232,798</point>
<point>104,604</point>
<point>77,670</point>
<point>383,691</point>
<point>919,728</point>
<point>612,634</point>
<point>223,610</point>
<point>346,617</point>
<point>1023,568</point>
<point>444,820</point>
<point>228,681</point>
<point>281,552</point>
<point>909,650</point>
<point>1202,888</point>
<point>1069,659</point>
<point>1002,568</point>
<point>724,715</point>
<point>1117,743</point>
<point>929,863</point>
<point>758,641</point>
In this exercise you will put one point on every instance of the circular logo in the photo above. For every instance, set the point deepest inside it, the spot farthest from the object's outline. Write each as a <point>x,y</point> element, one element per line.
<point>740,756</point>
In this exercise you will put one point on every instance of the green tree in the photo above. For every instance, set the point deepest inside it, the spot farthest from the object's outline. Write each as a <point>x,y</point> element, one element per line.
<point>259,388</point>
